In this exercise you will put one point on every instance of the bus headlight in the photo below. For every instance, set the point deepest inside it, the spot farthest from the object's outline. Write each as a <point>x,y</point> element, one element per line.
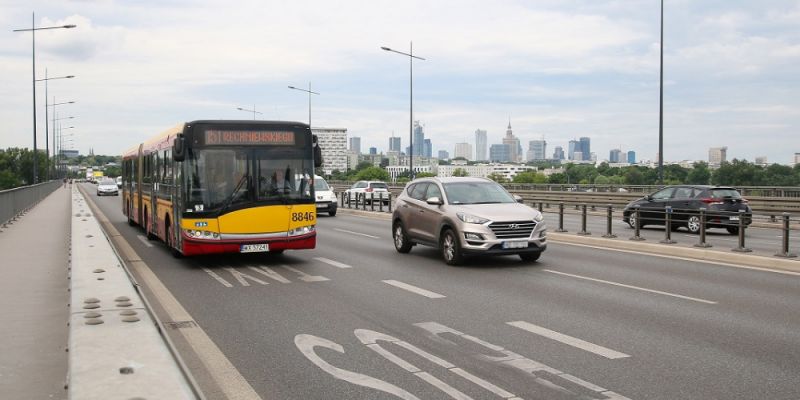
<point>303,230</point>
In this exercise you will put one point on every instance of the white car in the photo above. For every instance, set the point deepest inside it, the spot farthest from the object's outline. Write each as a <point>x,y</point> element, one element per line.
<point>107,187</point>
<point>366,191</point>
<point>325,197</point>
<point>119,182</point>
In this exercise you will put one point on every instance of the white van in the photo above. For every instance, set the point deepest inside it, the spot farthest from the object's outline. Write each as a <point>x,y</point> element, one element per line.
<point>326,198</point>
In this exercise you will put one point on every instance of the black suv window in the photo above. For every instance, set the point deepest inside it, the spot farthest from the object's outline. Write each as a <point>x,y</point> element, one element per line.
<point>663,194</point>
<point>418,191</point>
<point>722,193</point>
<point>683,193</point>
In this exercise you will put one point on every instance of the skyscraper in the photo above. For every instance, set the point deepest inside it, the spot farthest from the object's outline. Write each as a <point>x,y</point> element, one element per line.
<point>614,155</point>
<point>373,151</point>
<point>574,147</point>
<point>717,155</point>
<point>480,145</point>
<point>513,145</point>
<point>558,154</point>
<point>394,144</point>
<point>631,157</point>
<point>419,139</point>
<point>586,148</point>
<point>537,150</point>
<point>427,148</point>
<point>444,155</point>
<point>355,144</point>
<point>463,150</point>
<point>500,153</point>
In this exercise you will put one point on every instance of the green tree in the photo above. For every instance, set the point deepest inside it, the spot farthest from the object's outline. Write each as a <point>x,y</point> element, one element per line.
<point>372,174</point>
<point>699,175</point>
<point>499,178</point>
<point>529,177</point>
<point>460,172</point>
<point>425,175</point>
<point>634,177</point>
<point>602,180</point>
<point>557,178</point>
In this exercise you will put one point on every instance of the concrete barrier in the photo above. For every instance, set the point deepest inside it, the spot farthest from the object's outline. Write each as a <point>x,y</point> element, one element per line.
<point>115,348</point>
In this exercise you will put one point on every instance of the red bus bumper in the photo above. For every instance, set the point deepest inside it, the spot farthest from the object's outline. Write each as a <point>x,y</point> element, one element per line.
<point>194,247</point>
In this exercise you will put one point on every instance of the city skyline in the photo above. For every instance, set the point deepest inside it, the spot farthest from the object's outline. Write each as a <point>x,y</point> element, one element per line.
<point>559,69</point>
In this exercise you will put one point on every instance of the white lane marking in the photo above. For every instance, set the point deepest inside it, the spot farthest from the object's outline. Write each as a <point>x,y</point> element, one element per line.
<point>307,344</point>
<point>331,262</point>
<point>242,277</point>
<point>304,276</point>
<point>144,241</point>
<point>414,289</point>
<point>218,278</point>
<point>568,340</point>
<point>632,287</point>
<point>269,273</point>
<point>355,233</point>
<point>514,360</point>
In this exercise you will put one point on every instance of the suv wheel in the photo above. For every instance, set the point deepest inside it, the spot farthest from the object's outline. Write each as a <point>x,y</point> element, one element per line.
<point>733,230</point>
<point>451,248</point>
<point>401,241</point>
<point>632,220</point>
<point>693,224</point>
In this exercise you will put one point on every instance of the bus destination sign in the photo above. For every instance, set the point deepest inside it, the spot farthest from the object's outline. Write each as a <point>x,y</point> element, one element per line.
<point>219,137</point>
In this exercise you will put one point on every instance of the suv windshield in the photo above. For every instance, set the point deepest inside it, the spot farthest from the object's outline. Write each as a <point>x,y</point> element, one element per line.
<point>227,177</point>
<point>320,185</point>
<point>476,193</point>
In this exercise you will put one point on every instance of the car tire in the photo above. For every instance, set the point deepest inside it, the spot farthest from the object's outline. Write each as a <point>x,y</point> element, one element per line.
<point>733,230</point>
<point>175,253</point>
<point>693,224</point>
<point>332,213</point>
<point>530,257</point>
<point>632,220</point>
<point>402,243</point>
<point>450,247</point>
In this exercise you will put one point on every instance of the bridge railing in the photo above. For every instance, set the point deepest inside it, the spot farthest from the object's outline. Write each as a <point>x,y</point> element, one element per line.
<point>14,202</point>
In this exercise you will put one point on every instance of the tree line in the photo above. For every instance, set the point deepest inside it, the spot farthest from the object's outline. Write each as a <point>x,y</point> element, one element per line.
<point>16,166</point>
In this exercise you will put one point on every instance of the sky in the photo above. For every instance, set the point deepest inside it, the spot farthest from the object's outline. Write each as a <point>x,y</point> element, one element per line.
<point>558,69</point>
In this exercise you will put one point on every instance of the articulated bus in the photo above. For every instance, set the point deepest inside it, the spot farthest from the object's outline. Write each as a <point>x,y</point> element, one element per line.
<point>224,187</point>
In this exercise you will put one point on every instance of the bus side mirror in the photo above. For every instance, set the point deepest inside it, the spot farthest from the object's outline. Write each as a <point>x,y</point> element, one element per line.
<point>179,148</point>
<point>317,152</point>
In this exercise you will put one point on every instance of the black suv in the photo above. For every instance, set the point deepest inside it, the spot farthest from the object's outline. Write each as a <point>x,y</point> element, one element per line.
<point>722,206</point>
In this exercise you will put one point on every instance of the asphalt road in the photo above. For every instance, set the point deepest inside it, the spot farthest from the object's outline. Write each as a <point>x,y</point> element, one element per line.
<point>353,319</point>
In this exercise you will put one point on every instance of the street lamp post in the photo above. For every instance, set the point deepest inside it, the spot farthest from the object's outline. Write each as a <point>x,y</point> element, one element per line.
<point>56,154</point>
<point>411,58</point>
<point>33,30</point>
<point>309,100</point>
<point>252,111</point>
<point>661,103</point>
<point>46,128</point>
<point>61,141</point>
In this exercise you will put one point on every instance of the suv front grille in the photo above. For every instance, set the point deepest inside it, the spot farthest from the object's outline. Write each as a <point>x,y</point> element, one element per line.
<point>512,230</point>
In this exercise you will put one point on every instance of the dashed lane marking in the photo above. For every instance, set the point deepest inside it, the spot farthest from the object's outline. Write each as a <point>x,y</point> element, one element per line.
<point>414,289</point>
<point>568,340</point>
<point>632,287</point>
<point>356,233</point>
<point>144,240</point>
<point>331,262</point>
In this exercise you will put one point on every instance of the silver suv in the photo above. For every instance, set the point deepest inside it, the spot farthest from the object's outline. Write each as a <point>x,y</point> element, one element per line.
<point>463,216</point>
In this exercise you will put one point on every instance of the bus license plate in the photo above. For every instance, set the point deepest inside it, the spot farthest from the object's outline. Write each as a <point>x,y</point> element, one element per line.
<point>254,248</point>
<point>515,245</point>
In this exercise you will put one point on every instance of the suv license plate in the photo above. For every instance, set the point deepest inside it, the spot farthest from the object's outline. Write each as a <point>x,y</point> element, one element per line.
<point>254,248</point>
<point>736,218</point>
<point>515,245</point>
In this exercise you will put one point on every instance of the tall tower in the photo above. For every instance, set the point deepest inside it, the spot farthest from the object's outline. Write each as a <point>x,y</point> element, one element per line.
<point>513,144</point>
<point>480,145</point>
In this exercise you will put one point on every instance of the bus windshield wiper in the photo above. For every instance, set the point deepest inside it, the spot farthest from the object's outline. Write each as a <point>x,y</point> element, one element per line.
<point>230,198</point>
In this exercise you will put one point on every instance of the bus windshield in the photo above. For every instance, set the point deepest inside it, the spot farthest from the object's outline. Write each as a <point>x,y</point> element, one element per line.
<point>233,177</point>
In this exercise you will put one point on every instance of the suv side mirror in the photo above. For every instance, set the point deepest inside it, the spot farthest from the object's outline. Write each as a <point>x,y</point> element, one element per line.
<point>648,197</point>
<point>179,148</point>
<point>434,201</point>
<point>517,198</point>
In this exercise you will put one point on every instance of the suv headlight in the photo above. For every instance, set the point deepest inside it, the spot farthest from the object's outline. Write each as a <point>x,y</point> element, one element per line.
<point>471,219</point>
<point>538,218</point>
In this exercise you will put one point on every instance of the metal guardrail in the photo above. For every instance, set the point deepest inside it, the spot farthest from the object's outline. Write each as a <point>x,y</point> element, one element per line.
<point>14,202</point>
<point>366,201</point>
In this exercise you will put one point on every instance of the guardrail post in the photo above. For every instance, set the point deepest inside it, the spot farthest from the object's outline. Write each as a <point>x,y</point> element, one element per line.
<point>363,201</point>
<point>583,231</point>
<point>372,201</point>
<point>638,224</point>
<point>390,201</point>
<point>702,243</point>
<point>609,218</point>
<point>785,250</point>
<point>561,218</point>
<point>742,226</point>
<point>668,226</point>
<point>341,199</point>
<point>540,206</point>
<point>380,204</point>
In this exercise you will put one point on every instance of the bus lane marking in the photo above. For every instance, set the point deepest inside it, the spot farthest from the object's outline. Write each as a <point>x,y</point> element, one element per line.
<point>144,241</point>
<point>304,276</point>
<point>568,340</point>
<point>331,262</point>
<point>680,296</point>
<point>356,233</point>
<point>533,368</point>
<point>270,273</point>
<point>414,289</point>
<point>242,277</point>
<point>218,278</point>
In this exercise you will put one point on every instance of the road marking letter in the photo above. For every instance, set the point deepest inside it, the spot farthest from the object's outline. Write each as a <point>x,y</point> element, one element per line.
<point>331,262</point>
<point>569,340</point>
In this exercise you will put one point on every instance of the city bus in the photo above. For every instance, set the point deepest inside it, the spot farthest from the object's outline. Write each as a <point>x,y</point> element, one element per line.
<point>217,186</point>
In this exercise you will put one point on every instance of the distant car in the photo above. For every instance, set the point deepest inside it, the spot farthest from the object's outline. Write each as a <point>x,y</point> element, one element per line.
<point>722,204</point>
<point>368,191</point>
<point>107,187</point>
<point>119,182</point>
<point>325,197</point>
<point>463,216</point>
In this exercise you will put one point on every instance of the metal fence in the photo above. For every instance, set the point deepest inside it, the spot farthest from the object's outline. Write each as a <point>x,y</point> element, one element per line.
<point>380,202</point>
<point>14,202</point>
